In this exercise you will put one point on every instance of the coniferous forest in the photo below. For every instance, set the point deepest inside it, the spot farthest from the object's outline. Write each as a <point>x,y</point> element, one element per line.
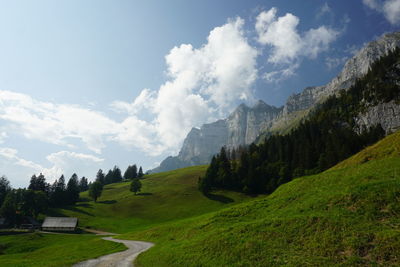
<point>328,136</point>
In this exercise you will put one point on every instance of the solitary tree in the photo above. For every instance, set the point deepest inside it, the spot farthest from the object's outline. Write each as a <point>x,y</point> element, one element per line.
<point>95,190</point>
<point>136,185</point>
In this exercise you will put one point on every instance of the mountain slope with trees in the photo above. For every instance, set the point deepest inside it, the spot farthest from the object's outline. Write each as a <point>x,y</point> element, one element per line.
<point>330,134</point>
<point>345,216</point>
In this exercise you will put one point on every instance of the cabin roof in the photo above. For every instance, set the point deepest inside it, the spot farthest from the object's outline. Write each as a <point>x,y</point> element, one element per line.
<point>60,222</point>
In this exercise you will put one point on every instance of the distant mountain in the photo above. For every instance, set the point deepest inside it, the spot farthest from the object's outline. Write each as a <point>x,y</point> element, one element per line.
<point>248,124</point>
<point>298,105</point>
<point>240,128</point>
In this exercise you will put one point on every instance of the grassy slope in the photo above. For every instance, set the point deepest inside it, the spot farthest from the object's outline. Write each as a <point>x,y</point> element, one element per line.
<point>165,196</point>
<point>52,250</point>
<point>346,216</point>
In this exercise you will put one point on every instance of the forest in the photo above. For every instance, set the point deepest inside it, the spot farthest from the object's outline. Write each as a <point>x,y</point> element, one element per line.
<point>327,136</point>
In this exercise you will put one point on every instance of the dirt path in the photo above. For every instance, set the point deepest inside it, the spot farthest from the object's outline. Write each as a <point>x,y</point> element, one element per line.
<point>119,259</point>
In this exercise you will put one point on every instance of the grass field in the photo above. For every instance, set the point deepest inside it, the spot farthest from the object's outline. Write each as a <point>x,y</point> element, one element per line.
<point>165,197</point>
<point>346,216</point>
<point>37,249</point>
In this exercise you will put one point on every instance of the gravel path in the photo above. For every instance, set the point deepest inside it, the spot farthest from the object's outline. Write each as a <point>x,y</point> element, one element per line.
<point>119,259</point>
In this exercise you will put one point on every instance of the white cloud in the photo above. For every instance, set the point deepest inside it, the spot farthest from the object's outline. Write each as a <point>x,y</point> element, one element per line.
<point>10,154</point>
<point>371,4</point>
<point>145,100</point>
<point>287,43</point>
<point>62,162</point>
<point>389,8</point>
<point>280,75</point>
<point>67,162</point>
<point>325,9</point>
<point>202,82</point>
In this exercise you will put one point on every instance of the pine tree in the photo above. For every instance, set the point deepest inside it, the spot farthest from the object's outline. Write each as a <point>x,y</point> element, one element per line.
<point>100,176</point>
<point>83,184</point>
<point>72,191</point>
<point>116,175</point>
<point>140,173</point>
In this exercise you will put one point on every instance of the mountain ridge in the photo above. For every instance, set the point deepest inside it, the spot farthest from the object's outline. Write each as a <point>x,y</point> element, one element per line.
<point>246,125</point>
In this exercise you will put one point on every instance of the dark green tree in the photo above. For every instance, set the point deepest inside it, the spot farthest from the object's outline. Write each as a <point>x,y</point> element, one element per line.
<point>95,190</point>
<point>108,179</point>
<point>136,185</point>
<point>73,189</point>
<point>140,172</point>
<point>9,207</point>
<point>4,188</point>
<point>83,184</point>
<point>116,175</point>
<point>100,177</point>
<point>131,172</point>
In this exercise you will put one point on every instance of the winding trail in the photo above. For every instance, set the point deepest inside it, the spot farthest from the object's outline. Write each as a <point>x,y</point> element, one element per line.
<point>119,259</point>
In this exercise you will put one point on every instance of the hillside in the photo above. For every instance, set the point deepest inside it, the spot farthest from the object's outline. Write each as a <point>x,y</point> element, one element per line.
<point>345,216</point>
<point>252,124</point>
<point>165,197</point>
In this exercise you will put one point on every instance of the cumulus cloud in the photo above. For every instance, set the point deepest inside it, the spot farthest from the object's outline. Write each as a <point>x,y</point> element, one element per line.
<point>62,162</point>
<point>325,9</point>
<point>287,43</point>
<point>203,84</point>
<point>58,123</point>
<point>67,162</point>
<point>280,75</point>
<point>389,8</point>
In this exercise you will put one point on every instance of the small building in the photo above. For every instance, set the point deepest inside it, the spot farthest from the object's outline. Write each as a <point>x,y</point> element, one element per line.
<point>29,223</point>
<point>60,224</point>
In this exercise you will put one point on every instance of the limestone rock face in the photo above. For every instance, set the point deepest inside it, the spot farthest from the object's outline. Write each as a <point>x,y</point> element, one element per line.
<point>354,68</point>
<point>241,128</point>
<point>386,114</point>
<point>245,124</point>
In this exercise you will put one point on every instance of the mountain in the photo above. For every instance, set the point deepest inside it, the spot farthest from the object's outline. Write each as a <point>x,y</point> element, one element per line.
<point>246,125</point>
<point>240,128</point>
<point>298,105</point>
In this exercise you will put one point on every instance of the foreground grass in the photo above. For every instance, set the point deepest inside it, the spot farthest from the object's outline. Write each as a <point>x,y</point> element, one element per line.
<point>346,216</point>
<point>165,197</point>
<point>35,249</point>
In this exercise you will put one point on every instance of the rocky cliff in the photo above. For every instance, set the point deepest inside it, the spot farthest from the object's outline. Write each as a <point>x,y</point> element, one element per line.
<point>297,105</point>
<point>240,128</point>
<point>245,124</point>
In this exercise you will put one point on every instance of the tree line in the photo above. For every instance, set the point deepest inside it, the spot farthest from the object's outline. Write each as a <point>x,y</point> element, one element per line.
<point>40,195</point>
<point>328,136</point>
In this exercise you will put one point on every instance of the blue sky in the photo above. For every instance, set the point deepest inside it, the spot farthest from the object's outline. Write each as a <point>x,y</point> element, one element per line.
<point>92,84</point>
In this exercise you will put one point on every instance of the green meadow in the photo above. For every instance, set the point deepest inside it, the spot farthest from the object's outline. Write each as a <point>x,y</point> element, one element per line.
<point>164,197</point>
<point>37,249</point>
<point>346,216</point>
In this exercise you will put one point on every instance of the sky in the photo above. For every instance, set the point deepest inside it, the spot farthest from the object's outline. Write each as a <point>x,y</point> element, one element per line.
<point>91,84</point>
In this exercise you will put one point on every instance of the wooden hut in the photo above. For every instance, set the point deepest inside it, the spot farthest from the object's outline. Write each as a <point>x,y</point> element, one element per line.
<point>60,224</point>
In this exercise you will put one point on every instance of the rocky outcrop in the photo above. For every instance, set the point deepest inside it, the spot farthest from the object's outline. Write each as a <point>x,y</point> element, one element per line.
<point>385,114</point>
<point>354,68</point>
<point>240,128</point>
<point>245,124</point>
